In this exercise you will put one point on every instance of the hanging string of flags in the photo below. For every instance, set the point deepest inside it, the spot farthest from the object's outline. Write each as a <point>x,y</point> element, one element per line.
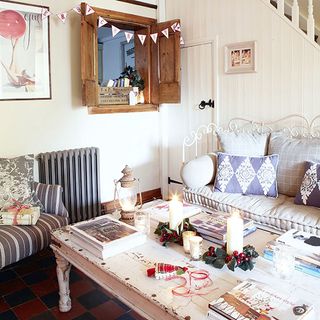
<point>101,22</point>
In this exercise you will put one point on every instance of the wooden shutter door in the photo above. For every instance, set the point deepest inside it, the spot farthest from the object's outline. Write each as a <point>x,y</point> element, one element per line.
<point>166,57</point>
<point>89,58</point>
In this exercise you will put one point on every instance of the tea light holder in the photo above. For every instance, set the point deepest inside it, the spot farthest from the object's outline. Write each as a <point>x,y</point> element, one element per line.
<point>142,221</point>
<point>195,247</point>
<point>186,235</point>
<point>283,261</point>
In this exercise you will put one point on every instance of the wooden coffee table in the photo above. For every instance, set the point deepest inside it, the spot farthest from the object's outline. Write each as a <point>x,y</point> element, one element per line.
<point>124,275</point>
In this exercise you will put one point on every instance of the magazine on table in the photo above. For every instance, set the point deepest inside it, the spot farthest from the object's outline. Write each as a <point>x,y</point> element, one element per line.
<point>105,236</point>
<point>254,300</point>
<point>215,224</point>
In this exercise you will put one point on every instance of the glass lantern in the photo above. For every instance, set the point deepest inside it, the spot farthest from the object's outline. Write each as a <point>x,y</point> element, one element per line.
<point>125,191</point>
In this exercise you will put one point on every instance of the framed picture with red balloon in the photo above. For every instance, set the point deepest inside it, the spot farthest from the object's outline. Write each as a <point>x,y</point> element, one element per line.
<point>24,52</point>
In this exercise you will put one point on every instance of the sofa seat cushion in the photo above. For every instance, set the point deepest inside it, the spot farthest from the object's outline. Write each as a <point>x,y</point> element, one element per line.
<point>278,213</point>
<point>18,242</point>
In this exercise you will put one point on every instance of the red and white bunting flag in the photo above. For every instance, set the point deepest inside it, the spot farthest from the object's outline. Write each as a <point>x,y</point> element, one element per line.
<point>173,27</point>
<point>77,9</point>
<point>178,27</point>
<point>166,32</point>
<point>128,35</point>
<point>101,22</point>
<point>89,10</point>
<point>62,16</point>
<point>115,31</point>
<point>45,13</point>
<point>142,38</point>
<point>154,37</point>
<point>181,41</point>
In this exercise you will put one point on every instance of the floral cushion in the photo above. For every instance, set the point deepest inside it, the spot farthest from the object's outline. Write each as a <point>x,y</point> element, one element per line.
<point>247,175</point>
<point>309,192</point>
<point>16,177</point>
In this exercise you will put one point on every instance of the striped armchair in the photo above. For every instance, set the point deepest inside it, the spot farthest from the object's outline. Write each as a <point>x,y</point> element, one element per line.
<point>18,242</point>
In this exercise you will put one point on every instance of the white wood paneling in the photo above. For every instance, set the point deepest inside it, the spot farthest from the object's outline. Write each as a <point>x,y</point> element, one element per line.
<point>288,77</point>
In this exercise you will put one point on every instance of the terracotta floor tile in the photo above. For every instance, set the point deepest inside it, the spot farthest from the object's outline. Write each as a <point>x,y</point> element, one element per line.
<point>80,287</point>
<point>3,305</point>
<point>29,309</point>
<point>11,286</point>
<point>44,287</point>
<point>76,310</point>
<point>108,310</point>
<point>135,315</point>
<point>25,269</point>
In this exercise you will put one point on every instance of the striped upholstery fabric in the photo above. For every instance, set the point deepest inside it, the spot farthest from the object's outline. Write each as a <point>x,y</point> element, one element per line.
<point>51,198</point>
<point>18,242</point>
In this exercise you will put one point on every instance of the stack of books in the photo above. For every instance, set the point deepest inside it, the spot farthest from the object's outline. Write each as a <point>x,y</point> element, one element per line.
<point>213,226</point>
<point>255,300</point>
<point>104,236</point>
<point>307,253</point>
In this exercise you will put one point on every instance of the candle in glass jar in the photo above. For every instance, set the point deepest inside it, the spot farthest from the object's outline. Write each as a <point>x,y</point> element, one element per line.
<point>234,233</point>
<point>175,213</point>
<point>186,235</point>
<point>195,247</point>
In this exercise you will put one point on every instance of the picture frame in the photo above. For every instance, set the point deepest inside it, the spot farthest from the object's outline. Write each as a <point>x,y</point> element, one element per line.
<point>25,52</point>
<point>241,57</point>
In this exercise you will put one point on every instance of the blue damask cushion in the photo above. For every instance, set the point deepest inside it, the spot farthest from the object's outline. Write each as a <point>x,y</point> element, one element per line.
<point>247,175</point>
<point>309,192</point>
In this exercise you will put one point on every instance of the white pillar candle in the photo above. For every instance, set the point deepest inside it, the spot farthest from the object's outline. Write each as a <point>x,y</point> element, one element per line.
<point>186,235</point>
<point>195,247</point>
<point>234,233</point>
<point>175,213</point>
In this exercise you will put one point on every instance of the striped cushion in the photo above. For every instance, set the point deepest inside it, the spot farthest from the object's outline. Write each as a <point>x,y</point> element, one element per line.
<point>18,242</point>
<point>51,198</point>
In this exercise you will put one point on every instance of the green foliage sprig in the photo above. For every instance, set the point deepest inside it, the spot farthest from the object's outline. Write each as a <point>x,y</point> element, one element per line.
<point>218,257</point>
<point>134,77</point>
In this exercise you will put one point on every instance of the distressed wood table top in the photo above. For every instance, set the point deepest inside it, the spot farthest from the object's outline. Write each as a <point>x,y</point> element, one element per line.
<point>125,276</point>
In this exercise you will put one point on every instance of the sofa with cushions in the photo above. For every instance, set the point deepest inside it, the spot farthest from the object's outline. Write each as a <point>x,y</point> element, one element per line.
<point>272,176</point>
<point>16,182</point>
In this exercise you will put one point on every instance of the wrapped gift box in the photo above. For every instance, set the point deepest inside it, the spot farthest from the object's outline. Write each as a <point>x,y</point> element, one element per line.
<point>25,216</point>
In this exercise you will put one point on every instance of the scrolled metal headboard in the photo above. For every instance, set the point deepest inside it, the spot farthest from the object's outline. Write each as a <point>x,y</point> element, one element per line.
<point>293,125</point>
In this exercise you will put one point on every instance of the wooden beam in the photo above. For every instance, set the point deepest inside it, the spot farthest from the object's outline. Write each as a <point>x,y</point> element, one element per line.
<point>109,207</point>
<point>141,3</point>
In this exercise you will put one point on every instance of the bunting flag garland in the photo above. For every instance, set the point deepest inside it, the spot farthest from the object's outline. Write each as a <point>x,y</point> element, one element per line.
<point>77,9</point>
<point>115,31</point>
<point>166,32</point>
<point>101,22</point>
<point>154,37</point>
<point>89,10</point>
<point>62,16</point>
<point>129,36</point>
<point>142,38</point>
<point>173,27</point>
<point>45,13</point>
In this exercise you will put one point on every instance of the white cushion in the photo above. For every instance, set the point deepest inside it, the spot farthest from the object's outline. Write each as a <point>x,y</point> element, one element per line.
<point>243,143</point>
<point>199,172</point>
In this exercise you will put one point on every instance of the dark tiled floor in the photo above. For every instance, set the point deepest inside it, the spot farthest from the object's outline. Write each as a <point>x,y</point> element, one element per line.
<point>29,290</point>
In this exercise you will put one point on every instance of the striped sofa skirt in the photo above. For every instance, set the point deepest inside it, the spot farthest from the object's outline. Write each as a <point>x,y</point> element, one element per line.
<point>18,242</point>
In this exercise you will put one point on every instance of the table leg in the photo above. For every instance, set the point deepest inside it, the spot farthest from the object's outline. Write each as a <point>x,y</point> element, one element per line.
<point>63,271</point>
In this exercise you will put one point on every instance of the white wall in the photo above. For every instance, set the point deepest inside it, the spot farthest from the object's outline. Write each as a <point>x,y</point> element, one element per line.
<point>40,126</point>
<point>288,77</point>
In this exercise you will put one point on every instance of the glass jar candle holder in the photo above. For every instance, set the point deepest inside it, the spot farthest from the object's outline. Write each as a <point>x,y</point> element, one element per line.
<point>186,235</point>
<point>195,247</point>
<point>283,261</point>
<point>142,221</point>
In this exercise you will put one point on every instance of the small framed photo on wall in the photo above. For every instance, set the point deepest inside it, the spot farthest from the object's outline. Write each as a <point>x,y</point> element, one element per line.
<point>241,57</point>
<point>24,52</point>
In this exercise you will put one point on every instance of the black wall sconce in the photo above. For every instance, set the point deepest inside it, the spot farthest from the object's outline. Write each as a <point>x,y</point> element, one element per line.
<point>203,104</point>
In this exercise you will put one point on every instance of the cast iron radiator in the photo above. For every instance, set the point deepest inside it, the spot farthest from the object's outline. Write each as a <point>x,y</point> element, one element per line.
<point>78,172</point>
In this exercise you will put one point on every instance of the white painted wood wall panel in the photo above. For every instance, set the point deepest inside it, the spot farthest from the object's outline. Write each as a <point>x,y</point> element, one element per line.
<point>288,77</point>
